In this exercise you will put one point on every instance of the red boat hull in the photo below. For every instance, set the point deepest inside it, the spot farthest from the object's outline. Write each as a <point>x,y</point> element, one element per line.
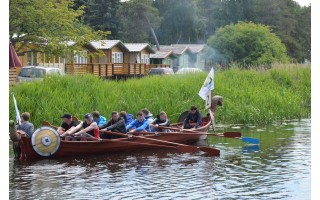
<point>103,147</point>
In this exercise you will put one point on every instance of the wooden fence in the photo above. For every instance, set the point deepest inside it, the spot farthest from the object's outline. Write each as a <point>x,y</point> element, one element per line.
<point>111,70</point>
<point>12,76</point>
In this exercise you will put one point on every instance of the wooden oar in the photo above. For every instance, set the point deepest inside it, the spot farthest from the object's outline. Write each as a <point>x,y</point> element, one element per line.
<point>194,132</point>
<point>235,135</point>
<point>183,147</point>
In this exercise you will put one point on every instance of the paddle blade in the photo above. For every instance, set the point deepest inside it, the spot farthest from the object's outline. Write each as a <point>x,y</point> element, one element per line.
<point>210,151</point>
<point>188,149</point>
<point>251,140</point>
<point>232,134</point>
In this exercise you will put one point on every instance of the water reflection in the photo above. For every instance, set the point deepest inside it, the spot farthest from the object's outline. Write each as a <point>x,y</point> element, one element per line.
<point>278,168</point>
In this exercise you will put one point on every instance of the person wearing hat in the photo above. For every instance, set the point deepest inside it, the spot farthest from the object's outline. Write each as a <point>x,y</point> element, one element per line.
<point>88,128</point>
<point>193,120</point>
<point>67,124</point>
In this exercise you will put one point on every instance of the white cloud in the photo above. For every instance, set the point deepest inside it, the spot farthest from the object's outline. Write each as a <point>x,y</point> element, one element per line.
<point>303,2</point>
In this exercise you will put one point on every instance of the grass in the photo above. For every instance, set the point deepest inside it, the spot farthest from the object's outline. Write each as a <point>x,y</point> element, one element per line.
<point>250,96</point>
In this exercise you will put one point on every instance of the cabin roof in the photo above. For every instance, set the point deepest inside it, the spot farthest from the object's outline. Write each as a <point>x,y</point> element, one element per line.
<point>162,54</point>
<point>138,47</point>
<point>195,48</point>
<point>107,44</point>
<point>176,49</point>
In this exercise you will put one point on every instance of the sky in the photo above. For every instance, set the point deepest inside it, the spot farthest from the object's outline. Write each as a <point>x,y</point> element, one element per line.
<point>303,2</point>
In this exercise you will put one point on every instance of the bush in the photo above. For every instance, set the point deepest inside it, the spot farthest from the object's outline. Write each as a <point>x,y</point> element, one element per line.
<point>248,44</point>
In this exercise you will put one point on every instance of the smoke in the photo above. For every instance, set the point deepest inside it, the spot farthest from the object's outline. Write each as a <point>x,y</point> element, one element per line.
<point>213,58</point>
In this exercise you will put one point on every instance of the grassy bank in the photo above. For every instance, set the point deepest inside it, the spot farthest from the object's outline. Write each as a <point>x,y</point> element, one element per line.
<point>257,97</point>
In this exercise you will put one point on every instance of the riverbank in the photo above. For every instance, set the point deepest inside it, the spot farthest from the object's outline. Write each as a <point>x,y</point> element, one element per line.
<point>250,96</point>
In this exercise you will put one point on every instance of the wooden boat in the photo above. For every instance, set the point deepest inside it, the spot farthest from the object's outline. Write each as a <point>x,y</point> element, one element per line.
<point>46,143</point>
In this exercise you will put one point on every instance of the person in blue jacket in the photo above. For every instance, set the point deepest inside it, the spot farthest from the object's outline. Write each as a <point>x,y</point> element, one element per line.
<point>193,120</point>
<point>139,125</point>
<point>99,119</point>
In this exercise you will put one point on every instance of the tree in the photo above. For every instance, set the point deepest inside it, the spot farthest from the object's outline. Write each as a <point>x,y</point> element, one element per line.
<point>286,18</point>
<point>206,10</point>
<point>180,23</point>
<point>101,15</point>
<point>136,18</point>
<point>248,44</point>
<point>49,24</point>
<point>303,32</point>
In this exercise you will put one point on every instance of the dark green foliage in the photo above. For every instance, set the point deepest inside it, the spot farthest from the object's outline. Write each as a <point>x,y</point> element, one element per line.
<point>101,15</point>
<point>49,24</point>
<point>248,44</point>
<point>174,21</point>
<point>136,18</point>
<point>181,23</point>
<point>286,18</point>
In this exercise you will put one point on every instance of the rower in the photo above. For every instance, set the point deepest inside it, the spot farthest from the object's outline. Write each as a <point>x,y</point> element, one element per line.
<point>139,125</point>
<point>147,115</point>
<point>89,128</point>
<point>98,118</point>
<point>193,119</point>
<point>115,124</point>
<point>161,120</point>
<point>67,124</point>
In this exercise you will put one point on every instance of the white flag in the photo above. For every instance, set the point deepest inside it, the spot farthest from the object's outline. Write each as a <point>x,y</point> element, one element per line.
<point>208,85</point>
<point>17,110</point>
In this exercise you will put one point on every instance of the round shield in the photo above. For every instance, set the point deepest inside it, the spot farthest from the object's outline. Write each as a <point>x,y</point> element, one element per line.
<point>183,116</point>
<point>45,141</point>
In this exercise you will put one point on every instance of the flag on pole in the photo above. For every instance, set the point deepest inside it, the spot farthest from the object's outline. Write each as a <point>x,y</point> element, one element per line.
<point>208,85</point>
<point>17,110</point>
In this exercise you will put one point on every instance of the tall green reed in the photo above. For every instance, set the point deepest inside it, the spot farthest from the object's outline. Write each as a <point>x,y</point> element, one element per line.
<point>250,96</point>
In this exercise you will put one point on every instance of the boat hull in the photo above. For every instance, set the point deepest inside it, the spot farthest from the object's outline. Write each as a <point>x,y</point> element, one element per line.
<point>106,146</point>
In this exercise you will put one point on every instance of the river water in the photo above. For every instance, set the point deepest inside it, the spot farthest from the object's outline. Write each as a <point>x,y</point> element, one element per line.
<point>279,168</point>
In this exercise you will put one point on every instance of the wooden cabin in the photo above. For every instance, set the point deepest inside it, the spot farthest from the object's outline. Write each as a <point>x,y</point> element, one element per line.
<point>113,51</point>
<point>184,55</point>
<point>139,52</point>
<point>197,58</point>
<point>103,58</point>
<point>164,58</point>
<point>31,56</point>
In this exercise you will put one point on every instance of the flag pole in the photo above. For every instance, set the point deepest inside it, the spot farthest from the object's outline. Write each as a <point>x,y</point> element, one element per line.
<point>18,119</point>
<point>206,94</point>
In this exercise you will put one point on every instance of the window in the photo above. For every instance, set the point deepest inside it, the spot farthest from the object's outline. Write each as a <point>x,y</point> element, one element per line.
<point>117,57</point>
<point>32,58</point>
<point>185,60</point>
<point>145,58</point>
<point>80,57</point>
<point>113,57</point>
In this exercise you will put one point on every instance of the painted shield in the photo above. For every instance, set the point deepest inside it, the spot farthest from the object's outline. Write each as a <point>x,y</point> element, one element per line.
<point>45,141</point>
<point>183,116</point>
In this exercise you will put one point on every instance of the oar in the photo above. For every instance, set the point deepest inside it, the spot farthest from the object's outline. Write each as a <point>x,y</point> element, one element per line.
<point>183,147</point>
<point>235,135</point>
<point>193,132</point>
